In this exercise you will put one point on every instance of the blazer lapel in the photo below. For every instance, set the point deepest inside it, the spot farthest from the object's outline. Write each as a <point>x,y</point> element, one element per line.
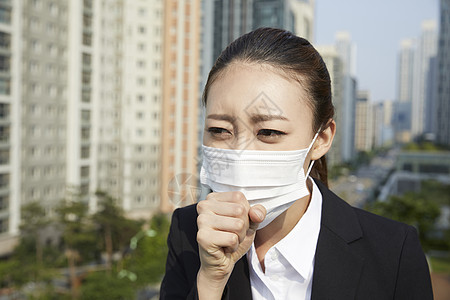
<point>337,266</point>
<point>239,281</point>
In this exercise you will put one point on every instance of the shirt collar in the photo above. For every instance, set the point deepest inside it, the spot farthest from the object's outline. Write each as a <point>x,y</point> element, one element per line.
<point>299,246</point>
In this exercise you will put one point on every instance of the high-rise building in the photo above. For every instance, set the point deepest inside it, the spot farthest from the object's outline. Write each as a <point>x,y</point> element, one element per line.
<point>340,61</point>
<point>363,122</point>
<point>405,70</point>
<point>273,13</point>
<point>82,112</point>
<point>347,51</point>
<point>10,112</point>
<point>232,18</point>
<point>382,123</point>
<point>443,78</point>
<point>296,16</point>
<point>426,49</point>
<point>181,77</point>
<point>334,65</point>
<point>303,11</point>
<point>401,122</point>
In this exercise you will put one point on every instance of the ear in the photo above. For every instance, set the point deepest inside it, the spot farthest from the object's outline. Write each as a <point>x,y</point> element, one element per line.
<point>323,141</point>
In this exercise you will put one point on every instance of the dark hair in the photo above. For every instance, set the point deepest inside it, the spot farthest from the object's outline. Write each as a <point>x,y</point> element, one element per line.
<point>296,57</point>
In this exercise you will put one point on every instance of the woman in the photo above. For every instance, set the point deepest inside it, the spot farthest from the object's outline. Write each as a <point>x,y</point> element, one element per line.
<point>268,230</point>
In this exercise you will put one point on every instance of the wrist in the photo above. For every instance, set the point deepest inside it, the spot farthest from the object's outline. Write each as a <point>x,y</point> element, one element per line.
<point>210,287</point>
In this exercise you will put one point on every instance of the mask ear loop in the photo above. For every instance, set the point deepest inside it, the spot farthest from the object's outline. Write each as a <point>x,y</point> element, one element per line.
<point>309,148</point>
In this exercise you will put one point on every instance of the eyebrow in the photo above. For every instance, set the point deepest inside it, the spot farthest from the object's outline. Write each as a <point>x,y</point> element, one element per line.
<point>256,118</point>
<point>221,117</point>
<point>264,118</point>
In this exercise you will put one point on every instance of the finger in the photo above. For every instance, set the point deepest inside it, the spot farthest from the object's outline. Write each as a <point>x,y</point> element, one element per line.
<point>229,209</point>
<point>212,240</point>
<point>236,197</point>
<point>237,226</point>
<point>257,214</point>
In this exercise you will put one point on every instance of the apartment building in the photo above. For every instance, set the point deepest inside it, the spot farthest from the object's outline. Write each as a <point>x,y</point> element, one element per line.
<point>80,105</point>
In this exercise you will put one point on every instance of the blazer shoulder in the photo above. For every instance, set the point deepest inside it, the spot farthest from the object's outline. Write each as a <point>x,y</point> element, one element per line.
<point>352,223</point>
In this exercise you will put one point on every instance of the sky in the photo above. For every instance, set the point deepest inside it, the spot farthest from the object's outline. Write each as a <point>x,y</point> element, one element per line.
<point>376,27</point>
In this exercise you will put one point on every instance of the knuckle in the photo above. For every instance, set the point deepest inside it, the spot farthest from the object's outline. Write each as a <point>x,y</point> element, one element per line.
<point>201,220</point>
<point>239,210</point>
<point>239,224</point>
<point>238,196</point>
<point>210,196</point>
<point>201,239</point>
<point>234,240</point>
<point>200,206</point>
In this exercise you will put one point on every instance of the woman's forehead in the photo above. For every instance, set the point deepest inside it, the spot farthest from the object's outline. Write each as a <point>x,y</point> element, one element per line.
<point>256,89</point>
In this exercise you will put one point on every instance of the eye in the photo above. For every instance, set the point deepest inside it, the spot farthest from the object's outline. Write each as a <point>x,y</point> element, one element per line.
<point>270,133</point>
<point>219,132</point>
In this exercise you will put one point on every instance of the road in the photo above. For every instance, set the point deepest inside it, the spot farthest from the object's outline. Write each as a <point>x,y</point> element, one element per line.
<point>361,186</point>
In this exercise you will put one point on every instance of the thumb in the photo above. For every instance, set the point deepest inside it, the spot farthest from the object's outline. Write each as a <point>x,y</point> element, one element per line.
<point>257,214</point>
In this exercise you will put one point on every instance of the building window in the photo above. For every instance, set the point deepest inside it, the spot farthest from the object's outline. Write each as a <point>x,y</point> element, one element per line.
<point>4,202</point>
<point>87,21</point>
<point>142,29</point>
<point>52,49</point>
<point>85,116</point>
<point>87,39</point>
<point>86,97</point>
<point>4,133</point>
<point>4,223</point>
<point>5,41</point>
<point>84,172</point>
<point>84,189</point>
<point>86,78</point>
<point>86,60</point>
<point>85,133</point>
<point>142,12</point>
<point>4,181</point>
<point>36,46</point>
<point>85,152</point>
<point>53,8</point>
<point>141,47</point>
<point>141,64</point>
<point>4,156</point>
<point>5,15</point>
<point>141,98</point>
<point>4,111</point>
<point>87,4</point>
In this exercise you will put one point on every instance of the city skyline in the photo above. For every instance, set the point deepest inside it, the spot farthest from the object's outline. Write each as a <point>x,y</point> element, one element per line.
<point>377,29</point>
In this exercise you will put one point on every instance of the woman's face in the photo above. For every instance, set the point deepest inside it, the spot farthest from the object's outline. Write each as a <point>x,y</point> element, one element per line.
<point>252,107</point>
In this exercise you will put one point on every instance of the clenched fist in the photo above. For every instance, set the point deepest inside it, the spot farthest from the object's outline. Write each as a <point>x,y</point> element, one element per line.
<point>226,230</point>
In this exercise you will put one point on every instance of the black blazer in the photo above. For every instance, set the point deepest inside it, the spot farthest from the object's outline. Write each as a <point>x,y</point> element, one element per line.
<point>359,256</point>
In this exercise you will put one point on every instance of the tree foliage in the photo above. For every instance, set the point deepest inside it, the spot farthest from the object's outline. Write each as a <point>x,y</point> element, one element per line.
<point>102,285</point>
<point>114,228</point>
<point>147,261</point>
<point>420,209</point>
<point>82,238</point>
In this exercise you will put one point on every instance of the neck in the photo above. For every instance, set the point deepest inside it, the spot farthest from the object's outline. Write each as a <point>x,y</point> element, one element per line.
<point>280,227</point>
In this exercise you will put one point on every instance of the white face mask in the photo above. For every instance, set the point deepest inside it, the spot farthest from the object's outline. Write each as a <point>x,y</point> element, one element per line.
<point>274,179</point>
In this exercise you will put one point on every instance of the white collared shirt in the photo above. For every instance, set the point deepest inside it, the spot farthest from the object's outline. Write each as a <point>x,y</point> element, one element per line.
<point>289,264</point>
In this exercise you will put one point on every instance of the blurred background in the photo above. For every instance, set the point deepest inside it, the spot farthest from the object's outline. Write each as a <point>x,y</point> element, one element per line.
<point>101,123</point>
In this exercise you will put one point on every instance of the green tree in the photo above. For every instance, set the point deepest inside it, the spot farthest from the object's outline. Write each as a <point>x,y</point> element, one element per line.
<point>27,262</point>
<point>34,221</point>
<point>112,225</point>
<point>414,209</point>
<point>80,241</point>
<point>102,285</point>
<point>147,261</point>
